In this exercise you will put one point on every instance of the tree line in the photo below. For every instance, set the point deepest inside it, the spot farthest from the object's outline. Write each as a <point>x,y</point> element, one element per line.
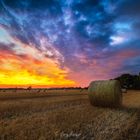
<point>129,81</point>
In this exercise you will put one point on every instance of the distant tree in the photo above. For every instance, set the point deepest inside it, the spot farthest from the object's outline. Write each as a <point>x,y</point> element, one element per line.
<point>129,81</point>
<point>29,88</point>
<point>15,89</point>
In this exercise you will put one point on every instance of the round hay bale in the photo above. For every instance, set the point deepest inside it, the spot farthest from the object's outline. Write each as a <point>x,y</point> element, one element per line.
<point>124,90</point>
<point>105,93</point>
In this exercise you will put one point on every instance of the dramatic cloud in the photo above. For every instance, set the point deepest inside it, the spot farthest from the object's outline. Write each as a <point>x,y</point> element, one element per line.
<point>68,42</point>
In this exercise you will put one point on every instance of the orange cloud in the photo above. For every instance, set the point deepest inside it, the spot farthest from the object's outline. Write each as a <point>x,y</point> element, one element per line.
<point>29,66</point>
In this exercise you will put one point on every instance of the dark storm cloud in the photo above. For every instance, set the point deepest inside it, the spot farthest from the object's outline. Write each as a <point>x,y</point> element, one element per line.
<point>93,20</point>
<point>129,8</point>
<point>52,6</point>
<point>15,3</point>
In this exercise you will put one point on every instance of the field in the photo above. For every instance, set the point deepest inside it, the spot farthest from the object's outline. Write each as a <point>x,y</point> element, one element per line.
<point>66,114</point>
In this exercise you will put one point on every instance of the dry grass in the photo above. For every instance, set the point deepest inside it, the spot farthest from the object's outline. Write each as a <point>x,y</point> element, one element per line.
<point>67,115</point>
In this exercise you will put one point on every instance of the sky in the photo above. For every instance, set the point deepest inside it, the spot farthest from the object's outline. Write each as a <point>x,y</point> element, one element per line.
<point>61,43</point>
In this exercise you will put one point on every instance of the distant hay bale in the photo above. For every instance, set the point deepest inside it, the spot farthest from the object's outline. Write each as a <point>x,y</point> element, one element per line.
<point>105,93</point>
<point>124,90</point>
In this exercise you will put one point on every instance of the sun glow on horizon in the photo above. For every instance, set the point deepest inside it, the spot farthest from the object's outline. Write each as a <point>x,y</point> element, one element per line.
<point>26,65</point>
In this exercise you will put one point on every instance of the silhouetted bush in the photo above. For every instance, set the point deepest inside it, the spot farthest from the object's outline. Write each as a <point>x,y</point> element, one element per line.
<point>129,81</point>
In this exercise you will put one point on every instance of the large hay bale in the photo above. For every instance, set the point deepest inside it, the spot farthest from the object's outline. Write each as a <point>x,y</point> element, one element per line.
<point>105,93</point>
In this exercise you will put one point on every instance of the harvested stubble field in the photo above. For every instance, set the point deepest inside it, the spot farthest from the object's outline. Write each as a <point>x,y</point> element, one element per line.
<point>66,114</point>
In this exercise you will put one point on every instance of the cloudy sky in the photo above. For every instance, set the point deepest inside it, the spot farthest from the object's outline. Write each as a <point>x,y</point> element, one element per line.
<point>67,42</point>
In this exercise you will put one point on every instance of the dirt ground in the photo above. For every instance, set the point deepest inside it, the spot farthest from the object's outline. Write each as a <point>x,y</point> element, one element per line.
<point>66,115</point>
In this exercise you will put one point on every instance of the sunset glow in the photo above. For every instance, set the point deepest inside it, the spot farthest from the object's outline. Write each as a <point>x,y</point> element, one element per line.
<point>25,65</point>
